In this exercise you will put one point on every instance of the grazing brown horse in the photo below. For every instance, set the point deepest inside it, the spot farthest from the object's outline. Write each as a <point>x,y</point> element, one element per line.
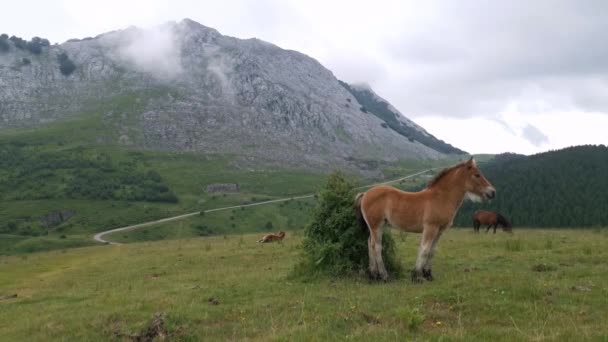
<point>272,237</point>
<point>492,219</point>
<point>430,212</point>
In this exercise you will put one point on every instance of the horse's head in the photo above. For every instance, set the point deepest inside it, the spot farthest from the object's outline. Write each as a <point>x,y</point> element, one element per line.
<point>476,185</point>
<point>281,234</point>
<point>507,226</point>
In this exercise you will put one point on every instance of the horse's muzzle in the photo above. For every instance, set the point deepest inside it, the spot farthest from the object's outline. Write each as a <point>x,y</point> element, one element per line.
<point>490,194</point>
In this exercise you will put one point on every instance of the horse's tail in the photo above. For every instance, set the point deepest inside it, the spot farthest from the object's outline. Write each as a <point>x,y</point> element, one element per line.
<point>359,213</point>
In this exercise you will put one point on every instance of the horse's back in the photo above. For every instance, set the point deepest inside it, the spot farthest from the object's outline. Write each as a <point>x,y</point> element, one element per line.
<point>484,216</point>
<point>401,209</point>
<point>383,196</point>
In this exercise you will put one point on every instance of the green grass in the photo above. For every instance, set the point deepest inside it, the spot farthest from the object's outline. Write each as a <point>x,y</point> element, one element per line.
<point>289,215</point>
<point>16,244</point>
<point>484,290</point>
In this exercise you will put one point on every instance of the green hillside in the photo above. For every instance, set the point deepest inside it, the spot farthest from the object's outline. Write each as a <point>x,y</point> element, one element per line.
<point>563,188</point>
<point>61,183</point>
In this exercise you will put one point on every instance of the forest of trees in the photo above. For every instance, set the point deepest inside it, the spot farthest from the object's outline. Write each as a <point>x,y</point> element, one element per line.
<point>76,174</point>
<point>563,188</point>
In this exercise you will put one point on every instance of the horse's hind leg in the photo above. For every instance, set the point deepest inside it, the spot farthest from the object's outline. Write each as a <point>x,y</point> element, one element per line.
<point>373,266</point>
<point>376,242</point>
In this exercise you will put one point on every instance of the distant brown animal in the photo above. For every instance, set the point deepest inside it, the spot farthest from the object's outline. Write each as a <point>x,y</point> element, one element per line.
<point>492,219</point>
<point>430,212</point>
<point>272,237</point>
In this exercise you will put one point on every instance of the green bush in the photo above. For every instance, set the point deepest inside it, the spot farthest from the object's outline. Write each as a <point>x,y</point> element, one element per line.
<point>36,44</point>
<point>66,66</point>
<point>4,45</point>
<point>334,243</point>
<point>204,230</point>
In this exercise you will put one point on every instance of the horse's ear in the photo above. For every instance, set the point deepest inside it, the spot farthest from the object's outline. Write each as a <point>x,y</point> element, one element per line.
<point>471,162</point>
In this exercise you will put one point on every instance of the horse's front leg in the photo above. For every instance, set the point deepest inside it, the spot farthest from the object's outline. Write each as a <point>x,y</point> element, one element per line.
<point>426,270</point>
<point>430,235</point>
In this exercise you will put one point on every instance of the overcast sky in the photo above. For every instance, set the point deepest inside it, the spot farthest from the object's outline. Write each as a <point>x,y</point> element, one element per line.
<point>485,76</point>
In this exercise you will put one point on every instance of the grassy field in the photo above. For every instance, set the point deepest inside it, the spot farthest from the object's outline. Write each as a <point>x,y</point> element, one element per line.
<point>534,285</point>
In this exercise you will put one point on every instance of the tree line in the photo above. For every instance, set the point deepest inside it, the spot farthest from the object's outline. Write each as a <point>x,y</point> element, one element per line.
<point>563,188</point>
<point>34,46</point>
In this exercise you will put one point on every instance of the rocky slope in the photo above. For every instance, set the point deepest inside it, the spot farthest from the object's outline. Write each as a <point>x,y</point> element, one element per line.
<point>185,87</point>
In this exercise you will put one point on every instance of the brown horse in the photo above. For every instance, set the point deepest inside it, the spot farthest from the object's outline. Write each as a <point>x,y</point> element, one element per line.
<point>492,219</point>
<point>272,237</point>
<point>430,212</point>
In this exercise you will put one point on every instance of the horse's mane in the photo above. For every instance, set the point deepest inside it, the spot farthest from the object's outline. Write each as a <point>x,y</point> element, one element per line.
<point>442,174</point>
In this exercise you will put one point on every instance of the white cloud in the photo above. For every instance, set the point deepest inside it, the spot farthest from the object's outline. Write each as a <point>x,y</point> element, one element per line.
<point>155,50</point>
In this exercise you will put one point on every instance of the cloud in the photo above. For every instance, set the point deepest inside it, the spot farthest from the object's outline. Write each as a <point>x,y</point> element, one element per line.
<point>534,136</point>
<point>474,58</point>
<point>360,69</point>
<point>155,50</point>
<point>221,68</point>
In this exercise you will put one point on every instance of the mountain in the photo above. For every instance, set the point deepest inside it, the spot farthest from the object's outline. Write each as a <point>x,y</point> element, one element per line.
<point>563,188</point>
<point>376,105</point>
<point>186,87</point>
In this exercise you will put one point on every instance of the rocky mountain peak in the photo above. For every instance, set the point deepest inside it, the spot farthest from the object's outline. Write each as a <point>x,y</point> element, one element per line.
<point>186,87</point>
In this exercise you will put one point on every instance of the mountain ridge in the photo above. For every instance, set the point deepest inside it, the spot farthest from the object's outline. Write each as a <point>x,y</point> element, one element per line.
<point>186,87</point>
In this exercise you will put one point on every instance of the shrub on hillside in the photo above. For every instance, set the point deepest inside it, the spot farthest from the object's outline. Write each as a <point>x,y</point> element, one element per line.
<point>66,66</point>
<point>334,243</point>
<point>36,44</point>
<point>18,42</point>
<point>4,45</point>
